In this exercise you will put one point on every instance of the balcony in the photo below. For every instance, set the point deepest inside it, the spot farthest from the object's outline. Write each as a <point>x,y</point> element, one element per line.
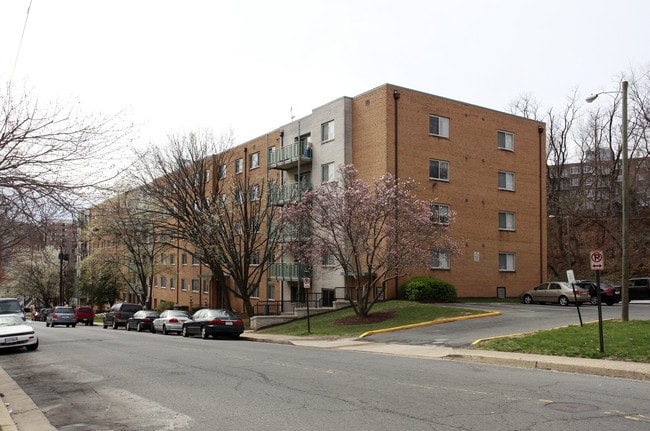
<point>282,195</point>
<point>291,233</point>
<point>290,271</point>
<point>289,156</point>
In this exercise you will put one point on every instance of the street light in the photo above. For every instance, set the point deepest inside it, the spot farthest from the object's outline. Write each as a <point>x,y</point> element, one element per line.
<point>625,203</point>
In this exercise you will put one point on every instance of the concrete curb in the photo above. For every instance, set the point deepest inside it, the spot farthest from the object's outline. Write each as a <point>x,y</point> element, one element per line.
<point>22,414</point>
<point>432,322</point>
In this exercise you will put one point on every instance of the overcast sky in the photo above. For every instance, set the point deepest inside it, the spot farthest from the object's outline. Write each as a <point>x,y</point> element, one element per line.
<point>177,66</point>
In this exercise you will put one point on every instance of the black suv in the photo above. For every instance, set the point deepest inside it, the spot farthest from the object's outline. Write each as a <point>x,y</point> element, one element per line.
<point>119,314</point>
<point>639,288</point>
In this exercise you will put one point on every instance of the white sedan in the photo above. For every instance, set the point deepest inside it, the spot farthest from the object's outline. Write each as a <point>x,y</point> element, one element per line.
<point>170,321</point>
<point>14,332</point>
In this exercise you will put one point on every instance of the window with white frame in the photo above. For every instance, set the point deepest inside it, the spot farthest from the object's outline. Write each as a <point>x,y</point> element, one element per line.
<point>163,282</point>
<point>506,220</point>
<point>575,182</point>
<point>255,258</point>
<point>506,181</point>
<point>184,259</point>
<point>438,170</point>
<point>327,172</point>
<point>255,290</point>
<point>270,291</point>
<point>439,259</point>
<point>163,259</point>
<point>172,259</point>
<point>327,131</point>
<point>239,197</point>
<point>438,126</point>
<point>574,170</point>
<point>183,284</point>
<point>222,171</point>
<point>328,259</point>
<point>254,160</point>
<point>223,198</point>
<point>195,285</point>
<point>254,193</point>
<point>206,286</point>
<point>239,166</point>
<point>172,283</point>
<point>506,262</point>
<point>195,260</point>
<point>440,214</point>
<point>505,140</point>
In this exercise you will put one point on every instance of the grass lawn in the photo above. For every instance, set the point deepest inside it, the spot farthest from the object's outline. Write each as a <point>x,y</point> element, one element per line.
<point>627,341</point>
<point>342,323</point>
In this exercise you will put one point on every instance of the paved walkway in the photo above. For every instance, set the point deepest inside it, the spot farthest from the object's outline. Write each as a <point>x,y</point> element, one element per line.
<point>19,413</point>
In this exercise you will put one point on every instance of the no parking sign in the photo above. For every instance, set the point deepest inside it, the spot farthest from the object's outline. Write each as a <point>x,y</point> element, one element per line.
<point>597,260</point>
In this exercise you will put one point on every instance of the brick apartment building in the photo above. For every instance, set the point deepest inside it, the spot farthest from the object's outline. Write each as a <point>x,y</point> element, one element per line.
<point>485,167</point>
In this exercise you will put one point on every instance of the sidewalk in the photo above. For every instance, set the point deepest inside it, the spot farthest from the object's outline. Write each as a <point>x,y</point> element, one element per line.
<point>23,415</point>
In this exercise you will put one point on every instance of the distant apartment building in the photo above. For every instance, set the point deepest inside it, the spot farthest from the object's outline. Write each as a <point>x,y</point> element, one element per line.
<point>485,168</point>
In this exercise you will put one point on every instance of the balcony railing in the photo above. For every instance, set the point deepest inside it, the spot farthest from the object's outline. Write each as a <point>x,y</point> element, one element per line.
<point>286,271</point>
<point>289,156</point>
<point>282,195</point>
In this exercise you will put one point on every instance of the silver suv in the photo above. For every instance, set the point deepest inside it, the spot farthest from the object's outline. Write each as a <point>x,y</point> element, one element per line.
<point>11,306</point>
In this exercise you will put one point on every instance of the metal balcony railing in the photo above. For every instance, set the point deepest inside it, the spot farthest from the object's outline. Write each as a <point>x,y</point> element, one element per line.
<point>287,271</point>
<point>287,193</point>
<point>289,156</point>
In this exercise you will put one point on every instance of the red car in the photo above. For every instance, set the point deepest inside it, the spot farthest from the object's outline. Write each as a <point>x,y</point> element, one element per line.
<point>84,314</point>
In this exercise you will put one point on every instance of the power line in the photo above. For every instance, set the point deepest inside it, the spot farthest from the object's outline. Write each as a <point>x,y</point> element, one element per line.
<point>20,44</point>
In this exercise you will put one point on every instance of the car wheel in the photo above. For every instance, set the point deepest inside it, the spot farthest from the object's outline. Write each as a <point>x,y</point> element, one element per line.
<point>563,300</point>
<point>204,333</point>
<point>127,327</point>
<point>104,325</point>
<point>114,326</point>
<point>153,329</point>
<point>594,300</point>
<point>528,299</point>
<point>74,325</point>
<point>184,332</point>
<point>67,326</point>
<point>47,324</point>
<point>609,303</point>
<point>32,347</point>
<point>139,327</point>
<point>164,330</point>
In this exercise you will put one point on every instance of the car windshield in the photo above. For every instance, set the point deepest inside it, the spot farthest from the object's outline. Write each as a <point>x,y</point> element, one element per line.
<point>9,307</point>
<point>11,320</point>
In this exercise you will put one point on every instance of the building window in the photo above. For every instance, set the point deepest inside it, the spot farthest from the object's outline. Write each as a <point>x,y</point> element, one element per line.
<point>438,126</point>
<point>239,197</point>
<point>206,286</point>
<point>507,262</point>
<point>222,171</point>
<point>574,170</point>
<point>172,283</point>
<point>440,214</point>
<point>255,290</point>
<point>254,193</point>
<point>163,282</point>
<point>163,259</point>
<point>183,259</point>
<point>254,160</point>
<point>506,181</point>
<point>195,260</point>
<point>172,259</point>
<point>328,259</point>
<point>255,258</point>
<point>327,131</point>
<point>327,172</point>
<point>207,176</point>
<point>223,198</point>
<point>239,166</point>
<point>438,170</point>
<point>505,141</point>
<point>506,220</point>
<point>439,259</point>
<point>270,291</point>
<point>195,285</point>
<point>183,284</point>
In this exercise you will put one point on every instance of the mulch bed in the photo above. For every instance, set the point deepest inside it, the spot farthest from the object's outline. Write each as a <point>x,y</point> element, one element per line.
<point>371,318</point>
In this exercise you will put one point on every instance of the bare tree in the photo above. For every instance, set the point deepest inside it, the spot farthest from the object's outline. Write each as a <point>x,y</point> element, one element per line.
<point>224,221</point>
<point>35,274</point>
<point>49,157</point>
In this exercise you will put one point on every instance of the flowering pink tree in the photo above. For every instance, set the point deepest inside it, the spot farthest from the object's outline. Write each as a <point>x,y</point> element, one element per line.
<point>374,233</point>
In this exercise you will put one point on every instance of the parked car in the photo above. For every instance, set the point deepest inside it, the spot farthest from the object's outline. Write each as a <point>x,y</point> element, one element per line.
<point>558,292</point>
<point>119,314</point>
<point>213,321</point>
<point>85,314</point>
<point>639,288</point>
<point>11,306</point>
<point>41,315</point>
<point>142,320</point>
<point>170,321</point>
<point>61,315</point>
<point>609,294</point>
<point>15,332</point>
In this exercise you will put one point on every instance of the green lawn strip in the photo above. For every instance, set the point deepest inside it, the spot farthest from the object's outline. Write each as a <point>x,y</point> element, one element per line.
<point>627,341</point>
<point>407,313</point>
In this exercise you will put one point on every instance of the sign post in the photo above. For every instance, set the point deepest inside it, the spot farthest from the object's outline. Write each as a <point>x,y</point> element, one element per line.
<point>306,284</point>
<point>572,279</point>
<point>597,260</point>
